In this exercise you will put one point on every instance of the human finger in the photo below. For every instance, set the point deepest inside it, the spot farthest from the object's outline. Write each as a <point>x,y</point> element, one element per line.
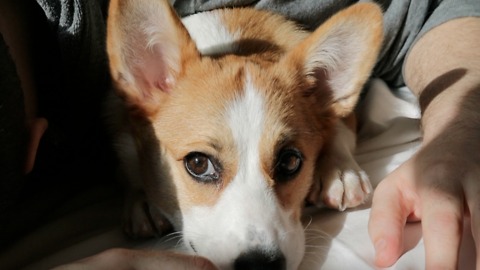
<point>387,221</point>
<point>472,190</point>
<point>442,225</point>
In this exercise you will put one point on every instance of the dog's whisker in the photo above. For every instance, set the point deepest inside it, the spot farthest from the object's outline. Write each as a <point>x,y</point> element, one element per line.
<point>172,236</point>
<point>308,224</point>
<point>315,247</point>
<point>168,238</point>
<point>193,238</point>
<point>284,235</point>
<point>315,232</point>
<point>314,256</point>
<point>316,236</point>
<point>312,261</point>
<point>316,241</point>
<point>179,243</point>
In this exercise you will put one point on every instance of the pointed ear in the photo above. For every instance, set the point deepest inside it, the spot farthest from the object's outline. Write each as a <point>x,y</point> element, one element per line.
<point>341,53</point>
<point>147,46</point>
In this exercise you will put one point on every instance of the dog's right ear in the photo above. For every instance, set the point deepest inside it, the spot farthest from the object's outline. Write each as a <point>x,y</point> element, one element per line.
<point>147,47</point>
<point>339,56</point>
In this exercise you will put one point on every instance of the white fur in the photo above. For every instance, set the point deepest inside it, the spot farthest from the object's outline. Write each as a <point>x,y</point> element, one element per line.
<point>210,34</point>
<point>247,215</point>
<point>349,185</point>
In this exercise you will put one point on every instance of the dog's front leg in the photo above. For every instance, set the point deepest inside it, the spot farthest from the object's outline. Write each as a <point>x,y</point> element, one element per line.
<point>141,218</point>
<point>340,182</point>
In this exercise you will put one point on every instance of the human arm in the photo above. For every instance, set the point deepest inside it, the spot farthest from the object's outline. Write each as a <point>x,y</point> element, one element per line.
<point>16,27</point>
<point>441,182</point>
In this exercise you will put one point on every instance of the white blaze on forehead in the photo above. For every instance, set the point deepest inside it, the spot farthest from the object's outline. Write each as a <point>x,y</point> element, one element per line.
<point>246,121</point>
<point>210,34</point>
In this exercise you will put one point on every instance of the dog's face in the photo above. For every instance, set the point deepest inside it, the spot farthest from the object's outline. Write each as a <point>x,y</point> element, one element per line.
<point>244,161</point>
<point>239,126</point>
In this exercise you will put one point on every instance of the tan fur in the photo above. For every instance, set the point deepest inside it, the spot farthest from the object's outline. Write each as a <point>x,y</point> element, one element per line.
<point>303,128</point>
<point>181,131</point>
<point>265,36</point>
<point>187,112</point>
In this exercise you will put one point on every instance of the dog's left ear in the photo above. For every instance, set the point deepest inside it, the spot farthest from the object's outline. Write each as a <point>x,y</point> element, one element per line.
<point>147,47</point>
<point>340,54</point>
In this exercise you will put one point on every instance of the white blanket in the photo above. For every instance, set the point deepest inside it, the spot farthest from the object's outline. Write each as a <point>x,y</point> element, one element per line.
<point>389,135</point>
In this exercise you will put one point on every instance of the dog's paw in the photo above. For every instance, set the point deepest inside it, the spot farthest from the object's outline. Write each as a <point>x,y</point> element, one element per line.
<point>340,182</point>
<point>142,220</point>
<point>348,189</point>
<point>342,189</point>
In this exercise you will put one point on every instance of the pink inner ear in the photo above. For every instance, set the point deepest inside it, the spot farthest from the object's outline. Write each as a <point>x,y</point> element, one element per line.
<point>152,73</point>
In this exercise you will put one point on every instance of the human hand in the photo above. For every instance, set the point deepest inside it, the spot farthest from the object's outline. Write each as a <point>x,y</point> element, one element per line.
<point>129,259</point>
<point>439,186</point>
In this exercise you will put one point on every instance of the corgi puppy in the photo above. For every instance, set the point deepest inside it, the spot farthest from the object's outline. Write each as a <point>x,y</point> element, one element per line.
<point>227,120</point>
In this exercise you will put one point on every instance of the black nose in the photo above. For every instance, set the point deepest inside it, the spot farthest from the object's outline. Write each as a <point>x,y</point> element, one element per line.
<point>260,260</point>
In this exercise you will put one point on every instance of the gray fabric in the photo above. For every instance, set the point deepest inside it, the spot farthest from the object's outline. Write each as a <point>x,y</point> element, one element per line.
<point>72,89</point>
<point>80,30</point>
<point>80,26</point>
<point>405,21</point>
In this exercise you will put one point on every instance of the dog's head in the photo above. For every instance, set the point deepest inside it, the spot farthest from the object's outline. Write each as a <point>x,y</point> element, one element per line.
<point>242,105</point>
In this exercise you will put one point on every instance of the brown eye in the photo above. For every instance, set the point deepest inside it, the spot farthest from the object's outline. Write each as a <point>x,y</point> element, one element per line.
<point>201,167</point>
<point>289,163</point>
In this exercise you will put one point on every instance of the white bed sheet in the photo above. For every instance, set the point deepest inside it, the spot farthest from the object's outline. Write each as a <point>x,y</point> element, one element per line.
<point>389,135</point>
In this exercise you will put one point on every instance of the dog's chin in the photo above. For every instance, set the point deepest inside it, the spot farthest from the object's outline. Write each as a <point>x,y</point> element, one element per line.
<point>267,257</point>
<point>248,247</point>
